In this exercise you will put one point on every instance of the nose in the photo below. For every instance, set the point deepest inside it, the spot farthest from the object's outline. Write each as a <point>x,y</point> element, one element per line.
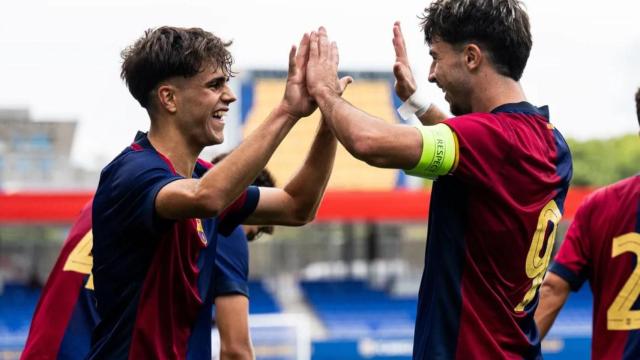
<point>228,95</point>
<point>432,73</point>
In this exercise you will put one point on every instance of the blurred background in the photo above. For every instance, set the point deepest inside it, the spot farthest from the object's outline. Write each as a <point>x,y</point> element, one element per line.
<point>345,286</point>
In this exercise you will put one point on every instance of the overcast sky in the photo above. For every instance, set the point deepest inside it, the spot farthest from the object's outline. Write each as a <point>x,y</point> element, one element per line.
<point>61,58</point>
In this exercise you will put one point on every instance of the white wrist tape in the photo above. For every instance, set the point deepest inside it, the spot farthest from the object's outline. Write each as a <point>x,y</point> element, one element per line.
<point>417,104</point>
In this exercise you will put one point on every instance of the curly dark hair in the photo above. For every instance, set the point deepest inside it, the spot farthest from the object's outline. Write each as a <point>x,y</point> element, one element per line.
<point>638,105</point>
<point>171,51</point>
<point>500,27</point>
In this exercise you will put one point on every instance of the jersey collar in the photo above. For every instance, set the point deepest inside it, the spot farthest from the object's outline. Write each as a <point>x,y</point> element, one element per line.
<point>522,108</point>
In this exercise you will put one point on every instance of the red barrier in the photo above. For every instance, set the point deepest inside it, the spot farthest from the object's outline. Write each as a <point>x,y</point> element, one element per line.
<point>337,205</point>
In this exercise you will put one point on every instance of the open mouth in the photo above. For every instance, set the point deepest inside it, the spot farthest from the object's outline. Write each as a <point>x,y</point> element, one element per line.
<point>219,115</point>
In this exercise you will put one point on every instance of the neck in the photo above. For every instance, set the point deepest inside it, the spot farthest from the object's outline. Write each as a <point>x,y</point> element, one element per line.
<point>495,90</point>
<point>171,143</point>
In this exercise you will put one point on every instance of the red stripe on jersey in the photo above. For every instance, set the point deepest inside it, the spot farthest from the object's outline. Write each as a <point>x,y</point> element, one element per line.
<point>58,298</point>
<point>171,283</point>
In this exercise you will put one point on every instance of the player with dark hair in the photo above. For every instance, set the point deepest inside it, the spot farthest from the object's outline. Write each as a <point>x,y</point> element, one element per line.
<point>502,173</point>
<point>66,313</point>
<point>158,208</point>
<point>231,282</point>
<point>602,246</point>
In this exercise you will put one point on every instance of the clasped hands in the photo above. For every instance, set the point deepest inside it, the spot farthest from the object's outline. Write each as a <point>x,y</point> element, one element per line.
<point>313,71</point>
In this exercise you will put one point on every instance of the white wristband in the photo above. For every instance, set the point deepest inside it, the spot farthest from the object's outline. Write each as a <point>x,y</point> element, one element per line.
<point>417,104</point>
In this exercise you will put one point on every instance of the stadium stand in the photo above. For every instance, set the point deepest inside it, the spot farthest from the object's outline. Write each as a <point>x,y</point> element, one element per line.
<point>351,309</point>
<point>373,93</point>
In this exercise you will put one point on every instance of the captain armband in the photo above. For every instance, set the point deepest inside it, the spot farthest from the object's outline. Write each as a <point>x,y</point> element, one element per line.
<point>439,152</point>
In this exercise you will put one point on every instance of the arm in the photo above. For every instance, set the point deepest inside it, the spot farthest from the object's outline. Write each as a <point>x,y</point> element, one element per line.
<point>554,292</point>
<point>232,318</point>
<point>297,203</point>
<point>219,187</point>
<point>364,136</point>
<point>405,84</point>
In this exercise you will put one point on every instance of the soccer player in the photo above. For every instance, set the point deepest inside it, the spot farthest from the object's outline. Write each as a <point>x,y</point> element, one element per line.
<point>231,283</point>
<point>66,314</point>
<point>158,209</point>
<point>502,172</point>
<point>602,246</point>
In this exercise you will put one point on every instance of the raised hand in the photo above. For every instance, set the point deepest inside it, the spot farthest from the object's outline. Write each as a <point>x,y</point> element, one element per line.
<point>297,101</point>
<point>322,67</point>
<point>405,84</point>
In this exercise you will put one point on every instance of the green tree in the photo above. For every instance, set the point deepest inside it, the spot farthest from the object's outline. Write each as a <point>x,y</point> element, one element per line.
<point>602,162</point>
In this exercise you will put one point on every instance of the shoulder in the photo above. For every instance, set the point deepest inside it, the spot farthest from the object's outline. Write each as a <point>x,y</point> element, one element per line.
<point>619,191</point>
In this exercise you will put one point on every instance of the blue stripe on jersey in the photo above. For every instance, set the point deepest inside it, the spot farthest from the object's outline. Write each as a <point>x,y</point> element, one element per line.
<point>564,168</point>
<point>632,347</point>
<point>441,288</point>
<point>76,342</point>
<point>575,281</point>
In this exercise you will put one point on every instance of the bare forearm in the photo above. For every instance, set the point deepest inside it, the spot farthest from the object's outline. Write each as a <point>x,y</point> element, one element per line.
<point>371,139</point>
<point>309,183</point>
<point>231,176</point>
<point>554,292</point>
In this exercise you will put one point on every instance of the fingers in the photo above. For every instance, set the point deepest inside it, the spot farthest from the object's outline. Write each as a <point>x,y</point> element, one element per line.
<point>292,60</point>
<point>344,82</point>
<point>399,45</point>
<point>313,45</point>
<point>334,55</point>
<point>303,51</point>
<point>323,42</point>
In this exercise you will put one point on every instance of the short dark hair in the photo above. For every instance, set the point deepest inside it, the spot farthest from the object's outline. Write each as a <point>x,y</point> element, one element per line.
<point>638,105</point>
<point>171,51</point>
<point>500,27</point>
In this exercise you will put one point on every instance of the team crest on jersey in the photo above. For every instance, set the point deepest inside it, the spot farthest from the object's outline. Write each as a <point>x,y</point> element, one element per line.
<point>200,230</point>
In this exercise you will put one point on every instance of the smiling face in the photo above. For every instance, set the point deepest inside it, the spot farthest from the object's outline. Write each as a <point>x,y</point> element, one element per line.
<point>202,101</point>
<point>450,73</point>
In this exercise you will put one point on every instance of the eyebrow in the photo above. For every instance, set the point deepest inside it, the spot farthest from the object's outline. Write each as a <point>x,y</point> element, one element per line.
<point>217,79</point>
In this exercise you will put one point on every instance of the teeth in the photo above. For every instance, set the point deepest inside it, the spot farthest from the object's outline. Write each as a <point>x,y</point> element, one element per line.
<point>219,114</point>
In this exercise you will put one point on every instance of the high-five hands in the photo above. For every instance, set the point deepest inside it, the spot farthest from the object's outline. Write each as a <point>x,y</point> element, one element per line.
<point>405,84</point>
<point>322,67</point>
<point>297,101</point>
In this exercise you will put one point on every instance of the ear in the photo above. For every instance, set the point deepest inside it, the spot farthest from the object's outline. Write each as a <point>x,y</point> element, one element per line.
<point>166,95</point>
<point>473,56</point>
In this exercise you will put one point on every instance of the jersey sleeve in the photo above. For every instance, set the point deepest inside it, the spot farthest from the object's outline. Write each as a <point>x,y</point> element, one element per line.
<point>134,182</point>
<point>232,264</point>
<point>238,211</point>
<point>483,146</point>
<point>572,262</point>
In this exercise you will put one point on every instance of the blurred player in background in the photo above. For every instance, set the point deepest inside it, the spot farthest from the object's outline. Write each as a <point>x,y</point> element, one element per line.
<point>502,172</point>
<point>158,209</point>
<point>66,315</point>
<point>602,246</point>
<point>231,283</point>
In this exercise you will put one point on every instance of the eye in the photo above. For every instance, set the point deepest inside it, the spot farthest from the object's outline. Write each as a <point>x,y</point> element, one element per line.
<point>219,83</point>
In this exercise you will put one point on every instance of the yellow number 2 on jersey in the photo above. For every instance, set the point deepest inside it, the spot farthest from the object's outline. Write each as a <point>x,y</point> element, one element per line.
<point>619,315</point>
<point>81,260</point>
<point>536,265</point>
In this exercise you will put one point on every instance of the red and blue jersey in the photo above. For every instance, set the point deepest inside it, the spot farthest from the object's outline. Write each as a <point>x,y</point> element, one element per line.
<point>491,228</point>
<point>602,245</point>
<point>153,276</point>
<point>65,314</point>
<point>232,264</point>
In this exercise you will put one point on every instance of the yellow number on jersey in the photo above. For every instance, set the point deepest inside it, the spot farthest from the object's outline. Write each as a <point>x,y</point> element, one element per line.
<point>80,259</point>
<point>536,265</point>
<point>619,315</point>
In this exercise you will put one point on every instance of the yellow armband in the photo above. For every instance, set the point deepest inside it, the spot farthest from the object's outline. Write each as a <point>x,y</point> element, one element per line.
<point>439,152</point>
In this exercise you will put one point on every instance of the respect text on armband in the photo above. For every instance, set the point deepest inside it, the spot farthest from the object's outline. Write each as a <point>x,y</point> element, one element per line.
<point>438,156</point>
